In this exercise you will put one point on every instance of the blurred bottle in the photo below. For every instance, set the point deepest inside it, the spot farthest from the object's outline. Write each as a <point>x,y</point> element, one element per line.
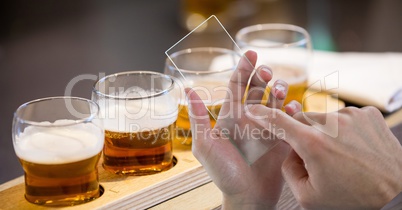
<point>194,12</point>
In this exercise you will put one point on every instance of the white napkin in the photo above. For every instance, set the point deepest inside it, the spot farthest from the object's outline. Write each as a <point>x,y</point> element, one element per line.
<point>363,78</point>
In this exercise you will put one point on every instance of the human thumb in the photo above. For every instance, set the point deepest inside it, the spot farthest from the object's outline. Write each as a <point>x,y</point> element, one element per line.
<point>294,172</point>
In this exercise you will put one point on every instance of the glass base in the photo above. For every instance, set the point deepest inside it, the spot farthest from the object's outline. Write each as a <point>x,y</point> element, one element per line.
<point>139,170</point>
<point>62,200</point>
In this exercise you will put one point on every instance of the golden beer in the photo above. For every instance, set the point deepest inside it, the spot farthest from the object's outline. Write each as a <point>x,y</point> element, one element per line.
<point>207,71</point>
<point>140,153</point>
<point>285,48</point>
<point>62,184</point>
<point>139,111</point>
<point>212,92</point>
<point>138,140</point>
<point>296,79</point>
<point>296,92</point>
<point>183,127</point>
<point>60,163</point>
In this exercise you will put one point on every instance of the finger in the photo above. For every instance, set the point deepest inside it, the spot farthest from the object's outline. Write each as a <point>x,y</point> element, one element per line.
<point>203,147</point>
<point>239,79</point>
<point>321,123</point>
<point>258,84</point>
<point>277,94</point>
<point>238,84</point>
<point>282,126</point>
<point>198,113</point>
<point>293,107</point>
<point>310,118</point>
<point>294,172</point>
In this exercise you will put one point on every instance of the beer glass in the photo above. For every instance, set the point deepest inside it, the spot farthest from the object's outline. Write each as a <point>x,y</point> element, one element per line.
<point>139,110</point>
<point>285,48</point>
<point>207,70</point>
<point>59,141</point>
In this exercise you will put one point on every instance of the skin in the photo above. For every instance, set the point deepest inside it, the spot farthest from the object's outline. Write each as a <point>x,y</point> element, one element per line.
<point>244,186</point>
<point>342,160</point>
<point>358,168</point>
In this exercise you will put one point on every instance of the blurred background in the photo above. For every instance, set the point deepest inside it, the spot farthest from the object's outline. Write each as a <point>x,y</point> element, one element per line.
<point>45,44</point>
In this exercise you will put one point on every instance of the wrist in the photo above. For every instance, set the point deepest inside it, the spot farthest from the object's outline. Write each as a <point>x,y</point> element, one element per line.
<point>389,189</point>
<point>394,184</point>
<point>230,203</point>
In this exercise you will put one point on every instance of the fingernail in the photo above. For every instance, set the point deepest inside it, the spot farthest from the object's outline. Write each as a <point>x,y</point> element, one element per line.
<point>266,69</point>
<point>291,106</point>
<point>264,73</point>
<point>279,88</point>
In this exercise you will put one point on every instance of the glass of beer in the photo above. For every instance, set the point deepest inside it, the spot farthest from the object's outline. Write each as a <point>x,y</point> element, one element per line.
<point>139,111</point>
<point>207,71</point>
<point>285,48</point>
<point>59,141</point>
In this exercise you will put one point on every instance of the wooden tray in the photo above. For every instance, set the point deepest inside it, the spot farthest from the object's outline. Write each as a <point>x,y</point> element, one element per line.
<point>123,192</point>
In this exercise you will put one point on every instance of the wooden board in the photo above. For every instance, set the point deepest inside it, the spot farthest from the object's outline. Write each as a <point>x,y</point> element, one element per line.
<point>209,196</point>
<point>123,192</point>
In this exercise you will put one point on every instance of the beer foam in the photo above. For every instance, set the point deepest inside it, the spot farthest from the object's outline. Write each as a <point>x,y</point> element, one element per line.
<point>290,74</point>
<point>136,92</point>
<point>287,63</point>
<point>139,115</point>
<point>59,144</point>
<point>265,43</point>
<point>210,90</point>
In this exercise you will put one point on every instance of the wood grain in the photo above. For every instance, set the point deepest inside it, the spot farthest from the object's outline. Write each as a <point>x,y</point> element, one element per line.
<point>209,196</point>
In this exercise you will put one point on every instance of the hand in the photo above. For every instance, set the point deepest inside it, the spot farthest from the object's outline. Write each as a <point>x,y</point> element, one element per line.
<point>243,186</point>
<point>359,168</point>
